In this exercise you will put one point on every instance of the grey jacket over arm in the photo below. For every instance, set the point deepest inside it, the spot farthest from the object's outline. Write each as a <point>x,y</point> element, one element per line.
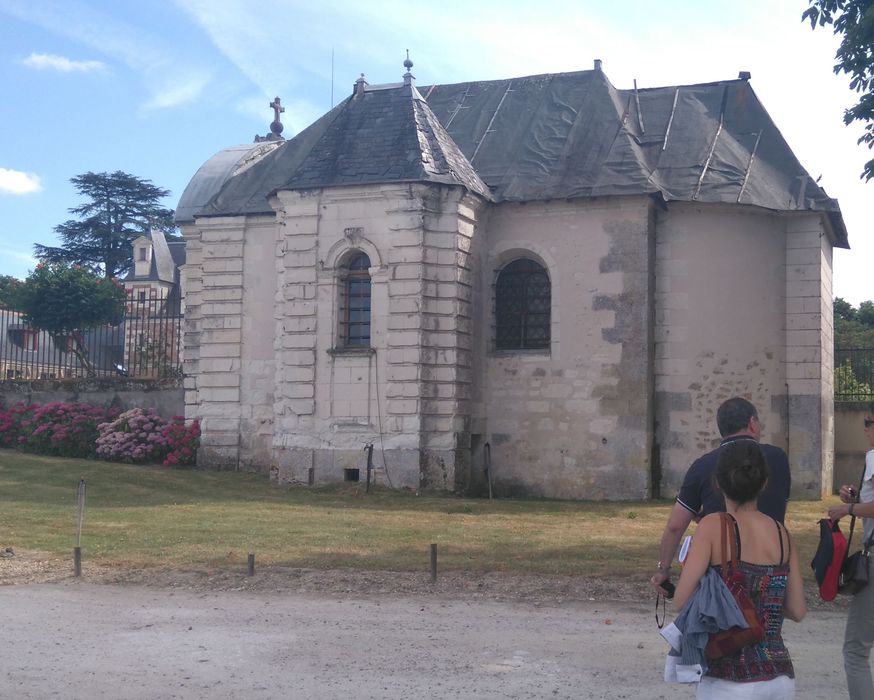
<point>711,608</point>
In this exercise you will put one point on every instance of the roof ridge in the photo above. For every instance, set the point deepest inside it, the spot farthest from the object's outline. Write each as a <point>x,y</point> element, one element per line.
<point>438,141</point>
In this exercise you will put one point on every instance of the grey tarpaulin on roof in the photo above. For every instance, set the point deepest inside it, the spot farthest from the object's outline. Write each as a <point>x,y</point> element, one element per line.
<point>564,135</point>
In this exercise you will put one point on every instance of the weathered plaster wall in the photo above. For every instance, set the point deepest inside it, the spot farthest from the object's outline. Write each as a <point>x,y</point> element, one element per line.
<point>573,422</point>
<point>257,336</point>
<point>719,327</point>
<point>227,374</point>
<point>407,393</point>
<point>851,444</point>
<point>741,301</point>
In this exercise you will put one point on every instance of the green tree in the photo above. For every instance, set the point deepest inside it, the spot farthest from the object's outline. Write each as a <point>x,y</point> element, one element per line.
<point>120,208</point>
<point>853,21</point>
<point>847,385</point>
<point>62,300</point>
<point>865,314</point>
<point>854,328</point>
<point>6,283</point>
<point>844,310</point>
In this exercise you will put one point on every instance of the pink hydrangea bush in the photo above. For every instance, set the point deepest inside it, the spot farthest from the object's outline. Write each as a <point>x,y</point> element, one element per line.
<point>141,435</point>
<point>68,429</point>
<point>135,436</point>
<point>182,442</point>
<point>14,423</point>
<point>60,428</point>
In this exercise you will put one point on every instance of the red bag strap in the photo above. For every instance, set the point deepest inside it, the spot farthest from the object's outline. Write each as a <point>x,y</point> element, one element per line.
<point>733,538</point>
<point>729,544</point>
<point>723,544</point>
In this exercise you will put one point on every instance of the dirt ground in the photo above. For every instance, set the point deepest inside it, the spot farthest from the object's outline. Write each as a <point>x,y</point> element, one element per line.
<point>344,634</point>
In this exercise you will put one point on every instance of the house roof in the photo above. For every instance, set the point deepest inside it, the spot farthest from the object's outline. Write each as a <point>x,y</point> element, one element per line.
<point>102,344</point>
<point>553,136</point>
<point>167,258</point>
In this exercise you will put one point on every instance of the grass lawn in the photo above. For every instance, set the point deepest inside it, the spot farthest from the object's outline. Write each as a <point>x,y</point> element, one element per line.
<point>153,517</point>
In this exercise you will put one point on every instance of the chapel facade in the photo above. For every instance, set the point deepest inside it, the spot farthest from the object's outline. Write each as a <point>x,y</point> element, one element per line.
<point>545,275</point>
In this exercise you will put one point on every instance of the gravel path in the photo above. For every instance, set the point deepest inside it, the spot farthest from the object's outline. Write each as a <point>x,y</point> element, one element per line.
<point>299,634</point>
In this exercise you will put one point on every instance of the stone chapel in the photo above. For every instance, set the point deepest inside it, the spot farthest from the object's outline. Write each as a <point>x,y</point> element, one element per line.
<point>547,275</point>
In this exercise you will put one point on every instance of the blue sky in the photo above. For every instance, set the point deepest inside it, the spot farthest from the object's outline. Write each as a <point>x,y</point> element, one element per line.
<point>155,87</point>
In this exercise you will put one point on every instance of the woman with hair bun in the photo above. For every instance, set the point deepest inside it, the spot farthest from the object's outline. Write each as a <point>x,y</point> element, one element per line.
<point>771,576</point>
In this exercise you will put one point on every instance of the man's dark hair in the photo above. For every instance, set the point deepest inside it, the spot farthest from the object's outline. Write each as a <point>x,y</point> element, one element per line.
<point>734,415</point>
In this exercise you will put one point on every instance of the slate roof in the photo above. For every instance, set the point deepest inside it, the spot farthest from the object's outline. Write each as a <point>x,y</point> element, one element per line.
<point>167,258</point>
<point>553,136</point>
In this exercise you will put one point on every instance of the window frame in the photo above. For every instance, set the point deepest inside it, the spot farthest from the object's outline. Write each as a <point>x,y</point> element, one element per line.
<point>355,297</point>
<point>523,281</point>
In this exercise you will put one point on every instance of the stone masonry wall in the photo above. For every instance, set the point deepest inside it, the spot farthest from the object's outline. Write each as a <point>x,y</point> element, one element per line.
<point>573,422</point>
<point>809,357</point>
<point>739,312</point>
<point>214,285</point>
<point>400,393</point>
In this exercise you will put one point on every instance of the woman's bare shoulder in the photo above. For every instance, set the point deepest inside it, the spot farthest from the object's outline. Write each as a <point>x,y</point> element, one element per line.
<point>709,523</point>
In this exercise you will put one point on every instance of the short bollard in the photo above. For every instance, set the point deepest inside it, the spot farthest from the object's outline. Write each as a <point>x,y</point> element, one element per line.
<point>80,515</point>
<point>251,571</point>
<point>433,563</point>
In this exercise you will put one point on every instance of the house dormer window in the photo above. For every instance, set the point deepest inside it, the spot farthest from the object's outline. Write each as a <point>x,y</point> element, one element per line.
<point>142,254</point>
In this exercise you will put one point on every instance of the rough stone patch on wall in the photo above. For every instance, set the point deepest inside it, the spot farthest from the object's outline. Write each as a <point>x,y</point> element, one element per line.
<point>687,420</point>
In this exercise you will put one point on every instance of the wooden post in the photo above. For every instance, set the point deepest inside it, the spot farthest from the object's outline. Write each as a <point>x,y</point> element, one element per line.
<point>80,515</point>
<point>433,563</point>
<point>369,449</point>
<point>487,457</point>
<point>251,563</point>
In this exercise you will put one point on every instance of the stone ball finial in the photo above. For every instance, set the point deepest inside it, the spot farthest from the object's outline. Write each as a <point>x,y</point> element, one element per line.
<point>408,63</point>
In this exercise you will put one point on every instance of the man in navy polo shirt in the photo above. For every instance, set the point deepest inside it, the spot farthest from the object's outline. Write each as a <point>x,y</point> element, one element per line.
<point>737,419</point>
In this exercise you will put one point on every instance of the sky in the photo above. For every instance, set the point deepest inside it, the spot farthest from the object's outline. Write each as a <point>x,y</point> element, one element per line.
<point>156,87</point>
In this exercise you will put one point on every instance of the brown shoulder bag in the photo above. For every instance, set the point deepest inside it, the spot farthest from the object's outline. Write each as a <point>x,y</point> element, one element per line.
<point>728,642</point>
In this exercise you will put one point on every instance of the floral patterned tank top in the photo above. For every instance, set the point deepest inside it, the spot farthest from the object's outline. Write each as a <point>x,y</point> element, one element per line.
<point>766,585</point>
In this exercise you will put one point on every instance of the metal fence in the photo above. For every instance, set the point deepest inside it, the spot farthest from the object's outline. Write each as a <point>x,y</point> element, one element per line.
<point>146,344</point>
<point>854,374</point>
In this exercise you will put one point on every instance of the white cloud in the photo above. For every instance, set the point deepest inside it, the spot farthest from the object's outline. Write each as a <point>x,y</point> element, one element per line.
<point>17,182</point>
<point>170,74</point>
<point>47,61</point>
<point>177,93</point>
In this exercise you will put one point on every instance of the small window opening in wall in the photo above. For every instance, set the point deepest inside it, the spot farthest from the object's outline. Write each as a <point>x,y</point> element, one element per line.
<point>522,307</point>
<point>355,303</point>
<point>142,254</point>
<point>351,475</point>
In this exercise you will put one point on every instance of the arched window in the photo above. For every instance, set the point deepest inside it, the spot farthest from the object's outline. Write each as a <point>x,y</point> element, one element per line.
<point>355,302</point>
<point>523,297</point>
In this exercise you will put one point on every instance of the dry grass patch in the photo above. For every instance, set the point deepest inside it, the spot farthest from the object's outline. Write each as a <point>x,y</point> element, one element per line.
<point>158,519</point>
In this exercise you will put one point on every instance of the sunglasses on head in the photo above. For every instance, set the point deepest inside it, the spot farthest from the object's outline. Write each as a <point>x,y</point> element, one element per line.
<point>869,422</point>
